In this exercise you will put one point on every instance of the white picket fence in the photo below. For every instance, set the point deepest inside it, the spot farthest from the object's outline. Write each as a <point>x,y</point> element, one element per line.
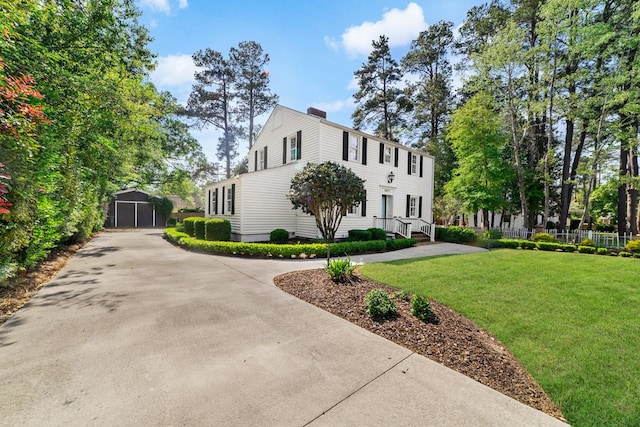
<point>608,240</point>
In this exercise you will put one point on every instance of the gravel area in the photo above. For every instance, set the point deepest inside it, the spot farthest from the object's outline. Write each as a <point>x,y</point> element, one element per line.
<point>448,338</point>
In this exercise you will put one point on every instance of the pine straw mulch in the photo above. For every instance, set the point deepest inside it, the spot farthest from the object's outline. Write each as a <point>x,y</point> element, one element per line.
<point>449,338</point>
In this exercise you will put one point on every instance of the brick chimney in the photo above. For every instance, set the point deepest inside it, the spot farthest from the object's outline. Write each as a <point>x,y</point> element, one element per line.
<point>315,112</point>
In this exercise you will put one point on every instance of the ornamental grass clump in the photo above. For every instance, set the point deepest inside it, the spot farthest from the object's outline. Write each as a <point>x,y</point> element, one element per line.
<point>340,270</point>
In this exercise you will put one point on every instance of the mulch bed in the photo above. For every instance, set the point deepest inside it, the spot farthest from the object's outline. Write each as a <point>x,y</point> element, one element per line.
<point>449,338</point>
<point>21,289</point>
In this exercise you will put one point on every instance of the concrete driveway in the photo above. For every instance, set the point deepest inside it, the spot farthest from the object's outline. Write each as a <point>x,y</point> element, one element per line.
<point>135,331</point>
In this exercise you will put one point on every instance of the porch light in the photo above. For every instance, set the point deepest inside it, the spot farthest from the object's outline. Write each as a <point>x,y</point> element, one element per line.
<point>390,177</point>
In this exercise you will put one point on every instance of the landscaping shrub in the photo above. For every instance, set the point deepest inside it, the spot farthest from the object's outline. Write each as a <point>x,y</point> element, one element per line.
<point>379,304</point>
<point>217,229</point>
<point>441,234</point>
<point>377,234</point>
<point>421,308</point>
<point>527,244</point>
<point>395,244</point>
<point>359,235</point>
<point>346,248</point>
<point>602,251</point>
<point>172,221</point>
<point>549,246</point>
<point>279,236</point>
<point>550,225</point>
<point>543,237</point>
<point>625,254</point>
<point>586,249</point>
<point>189,225</point>
<point>588,242</point>
<point>492,234</point>
<point>174,236</point>
<point>401,295</point>
<point>605,228</point>
<point>633,246</point>
<point>180,227</point>
<point>568,247</point>
<point>636,255</point>
<point>456,234</point>
<point>340,270</point>
<point>507,243</point>
<point>199,228</point>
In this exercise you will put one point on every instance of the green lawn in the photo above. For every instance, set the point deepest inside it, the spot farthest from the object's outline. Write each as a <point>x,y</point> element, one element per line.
<point>573,320</point>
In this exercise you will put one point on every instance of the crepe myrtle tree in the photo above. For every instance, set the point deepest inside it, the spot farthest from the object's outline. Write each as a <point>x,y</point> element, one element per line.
<point>326,191</point>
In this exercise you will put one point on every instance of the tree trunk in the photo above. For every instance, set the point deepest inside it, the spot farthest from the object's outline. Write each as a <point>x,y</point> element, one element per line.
<point>632,192</point>
<point>622,190</point>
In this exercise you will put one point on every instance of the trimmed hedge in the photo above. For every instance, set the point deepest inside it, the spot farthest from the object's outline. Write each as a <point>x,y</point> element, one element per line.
<point>279,236</point>
<point>377,233</point>
<point>583,249</point>
<point>188,225</point>
<point>395,244</point>
<point>174,236</point>
<point>310,250</point>
<point>457,234</point>
<point>217,229</point>
<point>199,228</point>
<point>359,235</point>
<point>172,221</point>
<point>543,237</point>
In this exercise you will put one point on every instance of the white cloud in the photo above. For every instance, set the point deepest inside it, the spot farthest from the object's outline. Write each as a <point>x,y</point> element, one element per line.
<point>353,84</point>
<point>174,71</point>
<point>163,6</point>
<point>339,105</point>
<point>157,5</point>
<point>401,26</point>
<point>332,43</point>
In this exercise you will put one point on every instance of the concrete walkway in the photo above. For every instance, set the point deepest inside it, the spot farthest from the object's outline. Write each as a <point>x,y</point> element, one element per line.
<point>134,331</point>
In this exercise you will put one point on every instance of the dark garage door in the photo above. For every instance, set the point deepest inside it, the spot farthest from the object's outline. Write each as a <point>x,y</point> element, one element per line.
<point>128,212</point>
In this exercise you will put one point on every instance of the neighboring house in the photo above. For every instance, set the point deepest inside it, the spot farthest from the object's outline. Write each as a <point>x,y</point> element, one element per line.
<point>398,180</point>
<point>131,209</point>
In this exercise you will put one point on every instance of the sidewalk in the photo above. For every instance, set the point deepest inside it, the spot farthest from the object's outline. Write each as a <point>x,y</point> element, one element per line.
<point>135,331</point>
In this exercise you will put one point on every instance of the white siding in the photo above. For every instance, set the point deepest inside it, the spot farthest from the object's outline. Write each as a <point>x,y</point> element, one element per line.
<point>260,199</point>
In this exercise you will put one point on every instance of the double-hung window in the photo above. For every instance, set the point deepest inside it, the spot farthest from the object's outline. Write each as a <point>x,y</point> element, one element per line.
<point>293,148</point>
<point>414,164</point>
<point>413,207</point>
<point>388,154</point>
<point>261,158</point>
<point>229,201</point>
<point>354,147</point>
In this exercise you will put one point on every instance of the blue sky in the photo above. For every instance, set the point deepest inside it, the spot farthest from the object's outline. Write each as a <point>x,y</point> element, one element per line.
<point>315,46</point>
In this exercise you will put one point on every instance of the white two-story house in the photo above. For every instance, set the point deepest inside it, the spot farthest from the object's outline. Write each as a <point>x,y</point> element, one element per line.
<point>398,180</point>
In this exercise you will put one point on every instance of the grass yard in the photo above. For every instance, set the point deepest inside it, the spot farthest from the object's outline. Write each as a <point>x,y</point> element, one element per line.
<point>573,320</point>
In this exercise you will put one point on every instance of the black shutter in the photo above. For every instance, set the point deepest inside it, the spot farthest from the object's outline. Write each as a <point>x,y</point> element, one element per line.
<point>395,157</point>
<point>408,203</point>
<point>215,202</point>
<point>209,204</point>
<point>409,163</point>
<point>345,145</point>
<point>299,145</point>
<point>364,151</point>
<point>223,200</point>
<point>381,159</point>
<point>363,205</point>
<point>421,158</point>
<point>255,162</point>
<point>284,150</point>
<point>233,197</point>
<point>265,158</point>
<point>420,207</point>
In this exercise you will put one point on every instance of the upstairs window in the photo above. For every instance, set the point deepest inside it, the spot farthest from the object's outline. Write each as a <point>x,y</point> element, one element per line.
<point>414,164</point>
<point>229,202</point>
<point>293,148</point>
<point>261,160</point>
<point>354,147</point>
<point>388,154</point>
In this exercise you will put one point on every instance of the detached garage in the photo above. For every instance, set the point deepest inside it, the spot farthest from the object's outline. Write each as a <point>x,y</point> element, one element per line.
<point>132,209</point>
